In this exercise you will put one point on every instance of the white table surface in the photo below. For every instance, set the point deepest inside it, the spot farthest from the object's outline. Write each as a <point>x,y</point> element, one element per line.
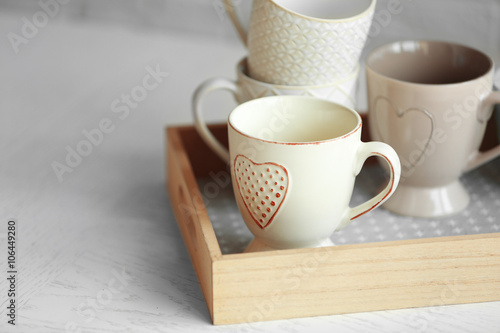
<point>101,251</point>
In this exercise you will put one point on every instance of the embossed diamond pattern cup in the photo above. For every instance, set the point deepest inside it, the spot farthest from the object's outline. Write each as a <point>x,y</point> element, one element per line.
<point>245,88</point>
<point>297,42</point>
<point>294,161</point>
<point>431,101</point>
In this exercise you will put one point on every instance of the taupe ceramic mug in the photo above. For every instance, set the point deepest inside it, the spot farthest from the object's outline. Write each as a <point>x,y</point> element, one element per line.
<point>431,101</point>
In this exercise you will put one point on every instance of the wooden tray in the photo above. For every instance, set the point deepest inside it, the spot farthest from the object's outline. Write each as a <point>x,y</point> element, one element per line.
<point>249,287</point>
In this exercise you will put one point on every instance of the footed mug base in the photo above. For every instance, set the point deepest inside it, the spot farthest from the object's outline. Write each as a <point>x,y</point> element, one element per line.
<point>428,202</point>
<point>257,245</point>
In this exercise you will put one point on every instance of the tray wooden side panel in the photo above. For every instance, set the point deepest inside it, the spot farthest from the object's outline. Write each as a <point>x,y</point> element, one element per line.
<point>191,215</point>
<point>356,278</point>
<point>201,157</point>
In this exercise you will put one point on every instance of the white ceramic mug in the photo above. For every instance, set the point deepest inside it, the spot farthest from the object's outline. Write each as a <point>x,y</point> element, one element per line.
<point>294,161</point>
<point>245,88</point>
<point>431,101</point>
<point>297,42</point>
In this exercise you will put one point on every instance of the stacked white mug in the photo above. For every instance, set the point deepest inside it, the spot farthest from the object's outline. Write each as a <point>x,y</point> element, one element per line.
<point>295,47</point>
<point>296,42</point>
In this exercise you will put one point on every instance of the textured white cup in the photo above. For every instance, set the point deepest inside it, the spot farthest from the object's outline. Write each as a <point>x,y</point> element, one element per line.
<point>245,88</point>
<point>294,161</point>
<point>297,42</point>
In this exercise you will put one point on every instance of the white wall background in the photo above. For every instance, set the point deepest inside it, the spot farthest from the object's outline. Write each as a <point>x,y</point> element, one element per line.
<point>472,22</point>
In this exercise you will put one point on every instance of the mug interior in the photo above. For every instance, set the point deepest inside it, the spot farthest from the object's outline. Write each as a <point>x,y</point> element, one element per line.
<point>427,62</point>
<point>293,120</point>
<point>325,9</point>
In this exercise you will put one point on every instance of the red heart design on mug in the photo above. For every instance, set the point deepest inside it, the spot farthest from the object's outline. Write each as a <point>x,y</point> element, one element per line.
<point>262,186</point>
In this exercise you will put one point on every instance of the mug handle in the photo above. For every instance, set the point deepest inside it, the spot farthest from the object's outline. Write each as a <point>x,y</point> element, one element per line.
<point>231,12</point>
<point>365,150</point>
<point>200,124</point>
<point>480,158</point>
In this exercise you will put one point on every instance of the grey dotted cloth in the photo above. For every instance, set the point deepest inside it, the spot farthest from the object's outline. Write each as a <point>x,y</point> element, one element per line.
<point>481,216</point>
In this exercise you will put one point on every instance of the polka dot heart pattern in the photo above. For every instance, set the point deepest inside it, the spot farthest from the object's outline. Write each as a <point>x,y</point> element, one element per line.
<point>262,186</point>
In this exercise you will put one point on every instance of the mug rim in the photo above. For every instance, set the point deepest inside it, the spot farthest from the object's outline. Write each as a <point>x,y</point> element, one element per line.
<point>242,69</point>
<point>367,11</point>
<point>379,49</point>
<point>357,127</point>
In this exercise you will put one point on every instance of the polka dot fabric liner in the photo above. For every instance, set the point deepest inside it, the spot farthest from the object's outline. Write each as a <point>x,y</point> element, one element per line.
<point>481,216</point>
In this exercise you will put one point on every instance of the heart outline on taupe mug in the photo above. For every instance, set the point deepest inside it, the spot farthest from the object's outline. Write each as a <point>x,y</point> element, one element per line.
<point>400,115</point>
